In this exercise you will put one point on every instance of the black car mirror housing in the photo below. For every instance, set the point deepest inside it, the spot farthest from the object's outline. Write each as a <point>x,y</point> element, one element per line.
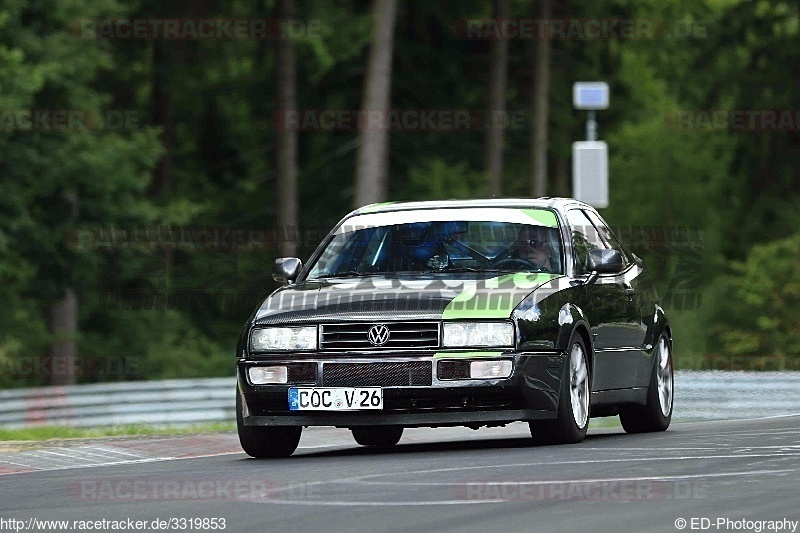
<point>286,269</point>
<point>603,262</point>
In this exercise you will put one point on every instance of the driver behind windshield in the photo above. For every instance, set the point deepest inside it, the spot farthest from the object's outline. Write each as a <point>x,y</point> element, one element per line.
<point>532,247</point>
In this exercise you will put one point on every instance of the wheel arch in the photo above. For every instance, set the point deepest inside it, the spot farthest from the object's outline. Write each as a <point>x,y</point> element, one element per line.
<point>583,330</point>
<point>660,325</point>
<point>572,320</point>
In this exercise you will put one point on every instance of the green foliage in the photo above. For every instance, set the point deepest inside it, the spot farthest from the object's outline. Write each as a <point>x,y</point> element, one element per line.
<point>738,188</point>
<point>762,299</point>
<point>436,179</point>
<point>56,178</point>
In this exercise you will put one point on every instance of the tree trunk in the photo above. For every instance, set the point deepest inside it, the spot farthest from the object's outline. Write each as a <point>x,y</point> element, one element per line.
<point>162,116</point>
<point>62,323</point>
<point>287,141</point>
<point>563,183</point>
<point>498,73</point>
<point>541,104</point>
<point>161,186</point>
<point>372,161</point>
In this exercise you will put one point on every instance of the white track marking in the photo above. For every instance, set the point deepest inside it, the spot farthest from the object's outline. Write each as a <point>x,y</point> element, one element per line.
<point>592,480</point>
<point>345,503</point>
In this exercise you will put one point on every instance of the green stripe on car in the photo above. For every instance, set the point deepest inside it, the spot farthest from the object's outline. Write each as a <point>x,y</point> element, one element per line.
<point>542,217</point>
<point>371,208</point>
<point>494,298</point>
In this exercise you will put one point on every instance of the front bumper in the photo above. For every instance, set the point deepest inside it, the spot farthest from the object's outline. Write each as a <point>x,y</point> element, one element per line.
<point>529,393</point>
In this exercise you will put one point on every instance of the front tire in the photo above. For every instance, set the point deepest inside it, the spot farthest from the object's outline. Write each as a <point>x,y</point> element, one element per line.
<point>264,442</point>
<point>378,436</point>
<point>572,421</point>
<point>656,414</point>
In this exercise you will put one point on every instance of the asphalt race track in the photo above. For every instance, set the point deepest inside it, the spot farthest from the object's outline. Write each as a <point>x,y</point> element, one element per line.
<point>744,471</point>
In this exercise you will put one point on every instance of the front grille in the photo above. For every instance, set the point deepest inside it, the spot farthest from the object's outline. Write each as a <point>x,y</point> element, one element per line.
<point>455,402</point>
<point>355,336</point>
<point>399,374</point>
<point>301,373</point>
<point>453,370</point>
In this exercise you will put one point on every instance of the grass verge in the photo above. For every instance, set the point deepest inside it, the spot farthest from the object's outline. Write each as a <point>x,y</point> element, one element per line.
<point>64,432</point>
<point>605,422</point>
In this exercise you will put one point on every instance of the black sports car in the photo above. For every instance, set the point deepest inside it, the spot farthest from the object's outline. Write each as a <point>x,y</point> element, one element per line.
<point>470,313</point>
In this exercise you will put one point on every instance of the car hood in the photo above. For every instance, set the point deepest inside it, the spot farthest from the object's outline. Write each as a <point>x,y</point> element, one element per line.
<point>431,297</point>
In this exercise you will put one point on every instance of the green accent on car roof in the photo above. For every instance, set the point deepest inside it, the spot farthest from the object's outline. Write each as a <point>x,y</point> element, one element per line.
<point>496,297</point>
<point>465,355</point>
<point>542,216</point>
<point>371,208</point>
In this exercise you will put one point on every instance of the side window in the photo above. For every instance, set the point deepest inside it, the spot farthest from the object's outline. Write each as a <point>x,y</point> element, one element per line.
<point>609,237</point>
<point>584,238</point>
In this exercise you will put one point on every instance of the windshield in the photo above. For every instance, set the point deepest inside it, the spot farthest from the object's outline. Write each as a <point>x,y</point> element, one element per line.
<point>442,246</point>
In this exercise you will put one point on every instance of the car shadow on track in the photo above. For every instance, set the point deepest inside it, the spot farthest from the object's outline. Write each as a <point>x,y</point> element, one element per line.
<point>450,446</point>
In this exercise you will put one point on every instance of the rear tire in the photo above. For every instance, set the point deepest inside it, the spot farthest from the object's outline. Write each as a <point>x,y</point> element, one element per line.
<point>656,414</point>
<point>378,436</point>
<point>264,442</point>
<point>572,421</point>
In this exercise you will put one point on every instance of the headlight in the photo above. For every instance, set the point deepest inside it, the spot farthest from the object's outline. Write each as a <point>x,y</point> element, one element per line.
<point>274,339</point>
<point>457,334</point>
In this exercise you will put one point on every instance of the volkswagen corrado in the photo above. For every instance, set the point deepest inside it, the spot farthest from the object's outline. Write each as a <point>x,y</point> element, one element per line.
<point>456,313</point>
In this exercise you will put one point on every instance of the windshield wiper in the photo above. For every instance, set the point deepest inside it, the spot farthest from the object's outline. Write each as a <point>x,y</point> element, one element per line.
<point>469,269</point>
<point>350,274</point>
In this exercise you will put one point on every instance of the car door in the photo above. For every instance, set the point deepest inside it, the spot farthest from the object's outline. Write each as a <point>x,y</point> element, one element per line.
<point>611,311</point>
<point>639,283</point>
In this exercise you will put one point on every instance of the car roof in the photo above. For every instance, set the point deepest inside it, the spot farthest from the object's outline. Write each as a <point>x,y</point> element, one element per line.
<point>524,203</point>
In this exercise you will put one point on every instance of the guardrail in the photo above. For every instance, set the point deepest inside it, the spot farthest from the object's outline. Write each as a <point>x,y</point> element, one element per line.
<point>720,394</point>
<point>178,401</point>
<point>698,396</point>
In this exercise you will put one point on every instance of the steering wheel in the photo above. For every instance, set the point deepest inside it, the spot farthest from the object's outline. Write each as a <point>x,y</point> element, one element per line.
<point>515,262</point>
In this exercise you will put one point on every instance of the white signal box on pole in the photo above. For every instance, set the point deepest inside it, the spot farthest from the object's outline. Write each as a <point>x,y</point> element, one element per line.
<point>590,172</point>
<point>590,157</point>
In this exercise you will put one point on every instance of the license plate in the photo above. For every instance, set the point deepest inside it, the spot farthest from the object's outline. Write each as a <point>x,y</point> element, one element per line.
<point>335,398</point>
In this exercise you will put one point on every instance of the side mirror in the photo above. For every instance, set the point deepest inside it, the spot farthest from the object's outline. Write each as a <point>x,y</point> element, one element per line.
<point>286,269</point>
<point>603,262</point>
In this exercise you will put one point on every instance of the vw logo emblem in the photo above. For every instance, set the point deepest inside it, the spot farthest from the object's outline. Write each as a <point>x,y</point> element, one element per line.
<point>378,335</point>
